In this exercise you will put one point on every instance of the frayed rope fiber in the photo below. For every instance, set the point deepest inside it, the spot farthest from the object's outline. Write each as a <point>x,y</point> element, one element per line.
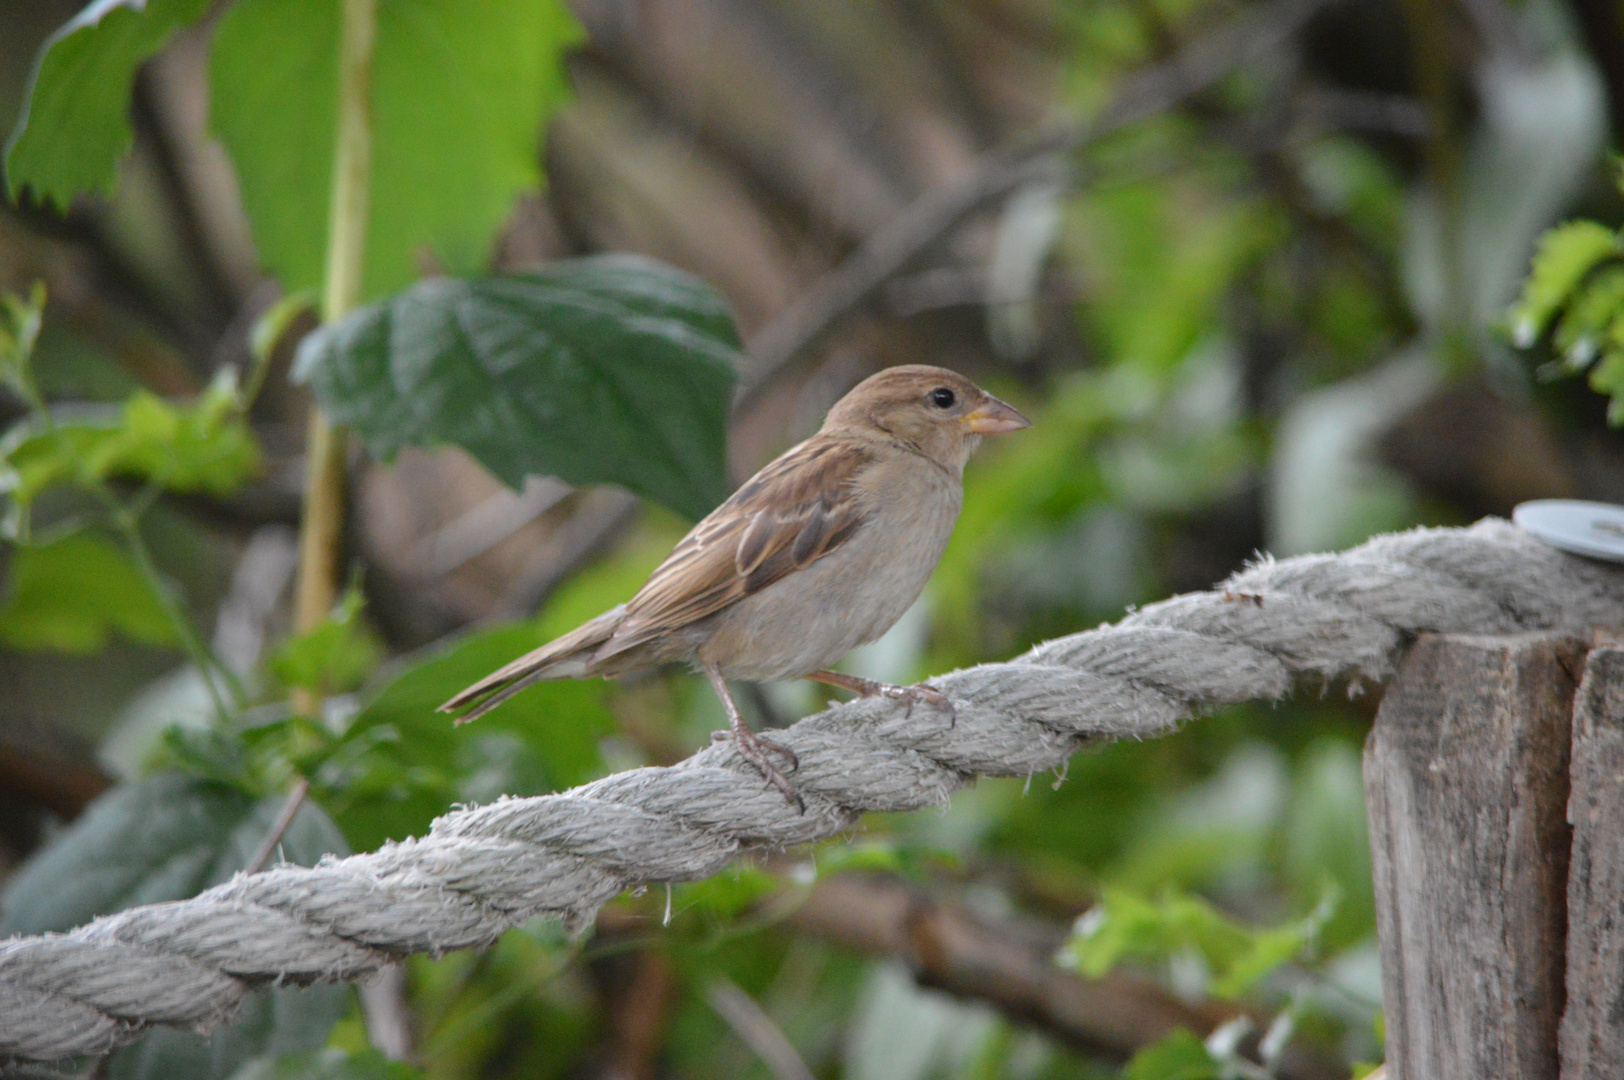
<point>482,870</point>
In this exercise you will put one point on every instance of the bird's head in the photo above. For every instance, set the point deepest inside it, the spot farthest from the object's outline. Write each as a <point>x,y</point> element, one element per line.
<point>938,412</point>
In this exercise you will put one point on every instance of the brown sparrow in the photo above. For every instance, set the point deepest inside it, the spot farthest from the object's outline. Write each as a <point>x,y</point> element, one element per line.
<point>819,552</point>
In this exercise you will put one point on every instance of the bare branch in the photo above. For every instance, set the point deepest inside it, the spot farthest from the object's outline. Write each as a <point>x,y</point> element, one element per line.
<point>936,212</point>
<point>284,818</point>
<point>1010,965</point>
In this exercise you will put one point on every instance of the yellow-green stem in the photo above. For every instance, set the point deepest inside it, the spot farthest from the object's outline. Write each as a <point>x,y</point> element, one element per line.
<point>322,525</point>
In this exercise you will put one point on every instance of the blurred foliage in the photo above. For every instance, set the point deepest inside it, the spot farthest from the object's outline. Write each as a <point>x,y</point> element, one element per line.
<point>329,1063</point>
<point>1180,1056</point>
<point>1251,296</point>
<point>81,96</point>
<point>205,446</point>
<point>70,594</point>
<point>334,658</point>
<point>1578,274</point>
<point>1126,926</point>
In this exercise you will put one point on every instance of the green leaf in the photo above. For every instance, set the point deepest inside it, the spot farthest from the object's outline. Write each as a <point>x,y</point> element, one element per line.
<point>611,369</point>
<point>328,1063</point>
<point>1566,254</point>
<point>334,658</point>
<point>1586,327</point>
<point>461,92</point>
<point>1179,1056</point>
<point>75,125</point>
<point>71,594</point>
<point>1126,926</point>
<point>169,837</point>
<point>204,446</point>
<point>1607,377</point>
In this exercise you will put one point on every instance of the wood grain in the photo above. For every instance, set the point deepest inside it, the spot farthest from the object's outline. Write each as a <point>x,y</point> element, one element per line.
<point>1592,1036</point>
<point>1466,781</point>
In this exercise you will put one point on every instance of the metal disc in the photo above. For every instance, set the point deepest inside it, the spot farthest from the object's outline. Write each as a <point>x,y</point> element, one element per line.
<point>1584,528</point>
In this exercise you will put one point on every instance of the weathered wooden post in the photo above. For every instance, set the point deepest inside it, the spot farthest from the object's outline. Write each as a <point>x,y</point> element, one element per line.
<point>1495,783</point>
<point>1592,1038</point>
<point>1466,780</point>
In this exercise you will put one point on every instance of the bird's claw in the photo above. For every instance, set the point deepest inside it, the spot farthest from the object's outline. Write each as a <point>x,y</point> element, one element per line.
<point>774,745</point>
<point>917,693</point>
<point>751,748</point>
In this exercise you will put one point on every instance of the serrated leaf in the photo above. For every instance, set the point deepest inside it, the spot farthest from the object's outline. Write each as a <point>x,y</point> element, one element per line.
<point>610,369</point>
<point>70,595</point>
<point>328,1063</point>
<point>75,125</point>
<point>462,90</point>
<point>1179,1056</point>
<point>1566,254</point>
<point>169,837</point>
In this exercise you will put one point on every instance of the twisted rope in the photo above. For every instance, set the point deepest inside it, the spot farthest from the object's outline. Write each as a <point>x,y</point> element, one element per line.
<point>482,870</point>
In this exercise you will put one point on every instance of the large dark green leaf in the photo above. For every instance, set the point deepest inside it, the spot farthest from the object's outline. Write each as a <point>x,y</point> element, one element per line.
<point>166,838</point>
<point>609,369</point>
<point>76,124</point>
<point>462,90</point>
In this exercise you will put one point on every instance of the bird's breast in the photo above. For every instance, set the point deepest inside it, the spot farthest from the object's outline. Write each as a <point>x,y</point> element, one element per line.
<point>811,618</point>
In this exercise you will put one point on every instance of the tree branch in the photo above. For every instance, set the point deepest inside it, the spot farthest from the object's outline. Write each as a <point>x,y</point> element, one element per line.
<point>1010,965</point>
<point>935,213</point>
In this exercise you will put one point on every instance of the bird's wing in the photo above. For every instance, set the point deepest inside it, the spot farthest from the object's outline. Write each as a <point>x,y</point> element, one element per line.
<point>792,513</point>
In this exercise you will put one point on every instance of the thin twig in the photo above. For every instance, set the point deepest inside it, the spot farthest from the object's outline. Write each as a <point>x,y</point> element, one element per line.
<point>936,212</point>
<point>208,666</point>
<point>284,818</point>
<point>752,1024</point>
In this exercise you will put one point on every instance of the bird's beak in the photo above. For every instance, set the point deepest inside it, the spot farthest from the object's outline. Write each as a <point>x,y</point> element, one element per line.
<point>995,418</point>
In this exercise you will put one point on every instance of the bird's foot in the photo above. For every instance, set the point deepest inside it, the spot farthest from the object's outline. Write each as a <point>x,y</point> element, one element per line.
<point>753,747</point>
<point>916,694</point>
<point>910,695</point>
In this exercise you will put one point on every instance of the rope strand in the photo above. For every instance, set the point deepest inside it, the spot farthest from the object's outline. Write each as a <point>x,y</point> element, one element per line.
<point>482,870</point>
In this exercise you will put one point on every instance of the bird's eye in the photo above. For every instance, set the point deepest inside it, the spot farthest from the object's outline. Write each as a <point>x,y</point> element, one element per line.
<point>942,397</point>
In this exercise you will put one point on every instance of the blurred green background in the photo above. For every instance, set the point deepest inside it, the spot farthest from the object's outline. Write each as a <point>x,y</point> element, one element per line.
<point>1269,315</point>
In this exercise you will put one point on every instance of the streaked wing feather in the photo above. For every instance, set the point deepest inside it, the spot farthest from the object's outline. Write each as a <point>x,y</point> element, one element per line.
<point>791,514</point>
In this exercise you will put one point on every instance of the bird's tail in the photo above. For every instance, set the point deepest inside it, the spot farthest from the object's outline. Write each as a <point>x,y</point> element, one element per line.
<point>568,657</point>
